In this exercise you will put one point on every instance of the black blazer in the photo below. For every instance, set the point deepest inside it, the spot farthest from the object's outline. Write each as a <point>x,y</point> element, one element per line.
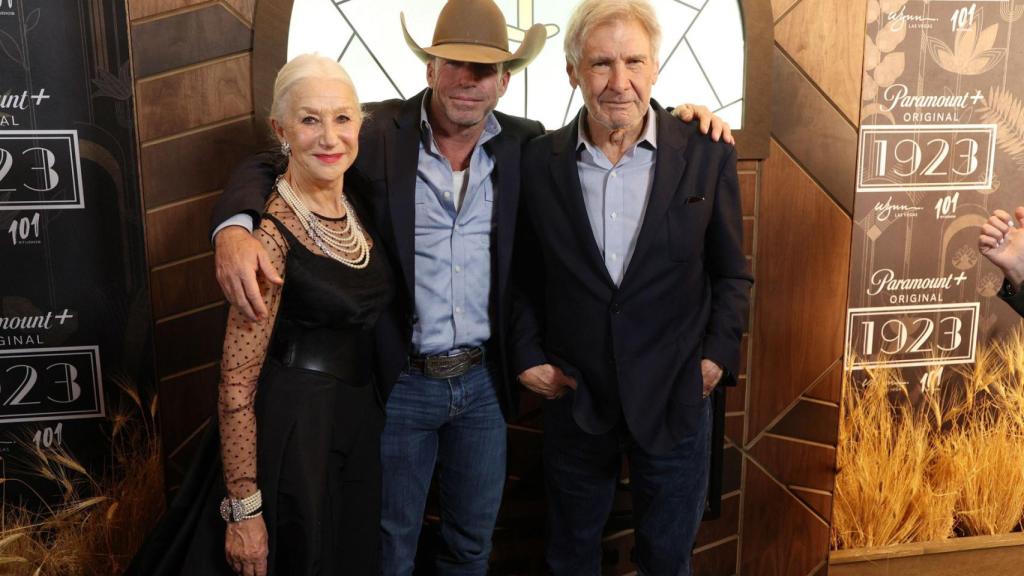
<point>635,349</point>
<point>382,183</point>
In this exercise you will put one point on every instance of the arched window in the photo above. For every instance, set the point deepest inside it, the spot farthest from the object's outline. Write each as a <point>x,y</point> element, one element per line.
<point>707,54</point>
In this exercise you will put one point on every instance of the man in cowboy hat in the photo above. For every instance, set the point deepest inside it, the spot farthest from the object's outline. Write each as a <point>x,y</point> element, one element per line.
<point>441,174</point>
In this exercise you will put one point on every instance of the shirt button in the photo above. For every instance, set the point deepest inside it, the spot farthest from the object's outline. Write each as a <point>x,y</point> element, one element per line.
<point>614,257</point>
<point>615,215</point>
<point>458,269</point>
<point>447,195</point>
<point>614,174</point>
<point>458,310</point>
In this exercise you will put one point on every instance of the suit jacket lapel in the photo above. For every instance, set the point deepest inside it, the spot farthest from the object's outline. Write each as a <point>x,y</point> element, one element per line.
<point>567,180</point>
<point>506,153</point>
<point>669,167</point>
<point>403,146</point>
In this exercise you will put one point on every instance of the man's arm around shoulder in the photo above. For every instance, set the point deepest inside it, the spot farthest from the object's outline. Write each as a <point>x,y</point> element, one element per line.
<point>238,255</point>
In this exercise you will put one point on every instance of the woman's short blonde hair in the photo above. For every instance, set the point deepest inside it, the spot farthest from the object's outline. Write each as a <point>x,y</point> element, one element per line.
<point>590,14</point>
<point>302,67</point>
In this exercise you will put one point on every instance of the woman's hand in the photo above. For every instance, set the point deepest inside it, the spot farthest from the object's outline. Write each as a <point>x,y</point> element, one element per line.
<point>1002,242</point>
<point>245,547</point>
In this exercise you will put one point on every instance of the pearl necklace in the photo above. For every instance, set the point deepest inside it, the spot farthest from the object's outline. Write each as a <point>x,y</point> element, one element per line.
<point>334,245</point>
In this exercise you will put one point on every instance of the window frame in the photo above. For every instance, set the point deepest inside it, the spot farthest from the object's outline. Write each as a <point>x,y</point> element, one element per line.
<point>270,51</point>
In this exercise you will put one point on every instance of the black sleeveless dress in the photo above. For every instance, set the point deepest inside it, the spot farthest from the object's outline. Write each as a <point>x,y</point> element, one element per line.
<point>318,421</point>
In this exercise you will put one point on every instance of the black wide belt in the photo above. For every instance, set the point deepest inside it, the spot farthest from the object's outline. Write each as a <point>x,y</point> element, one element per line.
<point>342,354</point>
<point>448,364</point>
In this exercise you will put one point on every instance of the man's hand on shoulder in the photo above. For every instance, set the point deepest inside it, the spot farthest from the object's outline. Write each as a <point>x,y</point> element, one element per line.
<point>239,256</point>
<point>718,128</point>
<point>547,380</point>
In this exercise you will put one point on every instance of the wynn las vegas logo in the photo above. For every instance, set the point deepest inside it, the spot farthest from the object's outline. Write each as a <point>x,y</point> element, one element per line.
<point>701,51</point>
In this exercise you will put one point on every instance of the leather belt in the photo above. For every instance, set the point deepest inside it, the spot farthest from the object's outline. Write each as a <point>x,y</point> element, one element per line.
<point>448,364</point>
<point>342,354</point>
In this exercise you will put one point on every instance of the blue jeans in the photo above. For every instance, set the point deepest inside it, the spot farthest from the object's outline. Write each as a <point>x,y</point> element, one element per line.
<point>581,471</point>
<point>457,425</point>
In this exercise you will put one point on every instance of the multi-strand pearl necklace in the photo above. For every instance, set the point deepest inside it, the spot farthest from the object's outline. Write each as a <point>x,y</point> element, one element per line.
<point>335,245</point>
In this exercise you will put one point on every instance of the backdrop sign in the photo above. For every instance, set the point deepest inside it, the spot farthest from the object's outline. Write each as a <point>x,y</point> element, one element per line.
<point>74,308</point>
<point>941,145</point>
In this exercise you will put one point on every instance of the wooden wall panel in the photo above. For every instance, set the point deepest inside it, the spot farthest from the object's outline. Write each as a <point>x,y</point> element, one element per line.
<point>734,428</point>
<point>194,97</point>
<point>179,230</point>
<point>780,7</point>
<point>819,500</point>
<point>180,395</point>
<point>802,231</point>
<point>736,399</point>
<point>808,126</point>
<point>187,38</point>
<point>748,192</point>
<point>826,38</point>
<point>148,9</point>
<point>246,9</point>
<point>138,9</point>
<point>177,168</point>
<point>781,536</point>
<point>184,286</point>
<point>810,420</point>
<point>185,342</point>
<point>723,528</point>
<point>792,462</point>
<point>194,115</point>
<point>798,316</point>
<point>829,387</point>
<point>718,560</point>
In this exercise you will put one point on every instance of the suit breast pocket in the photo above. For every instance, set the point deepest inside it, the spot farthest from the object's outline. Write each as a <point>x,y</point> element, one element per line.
<point>686,223</point>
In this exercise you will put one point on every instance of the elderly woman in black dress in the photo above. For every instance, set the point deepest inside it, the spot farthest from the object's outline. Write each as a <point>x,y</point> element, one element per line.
<point>297,479</point>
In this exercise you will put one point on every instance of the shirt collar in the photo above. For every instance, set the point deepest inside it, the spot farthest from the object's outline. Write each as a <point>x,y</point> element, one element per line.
<point>491,126</point>
<point>649,135</point>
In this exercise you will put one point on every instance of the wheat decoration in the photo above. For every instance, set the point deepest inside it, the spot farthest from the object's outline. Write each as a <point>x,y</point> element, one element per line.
<point>950,465</point>
<point>1004,110</point>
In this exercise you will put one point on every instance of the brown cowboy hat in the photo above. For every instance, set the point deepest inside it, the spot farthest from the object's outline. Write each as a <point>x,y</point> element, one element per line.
<point>475,31</point>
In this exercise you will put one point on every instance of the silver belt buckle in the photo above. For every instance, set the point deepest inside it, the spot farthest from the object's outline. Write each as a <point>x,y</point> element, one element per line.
<point>447,366</point>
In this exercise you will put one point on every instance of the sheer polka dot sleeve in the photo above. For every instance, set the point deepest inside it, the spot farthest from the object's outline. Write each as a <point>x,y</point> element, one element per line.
<point>245,348</point>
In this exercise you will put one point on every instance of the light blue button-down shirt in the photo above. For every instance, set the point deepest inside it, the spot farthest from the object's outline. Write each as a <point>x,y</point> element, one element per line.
<point>452,246</point>
<point>616,196</point>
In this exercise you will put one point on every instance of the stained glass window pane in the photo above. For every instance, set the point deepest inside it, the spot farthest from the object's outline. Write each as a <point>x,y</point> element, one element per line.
<point>701,52</point>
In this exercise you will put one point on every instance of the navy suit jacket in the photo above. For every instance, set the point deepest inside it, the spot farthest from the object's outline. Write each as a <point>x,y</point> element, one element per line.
<point>382,185</point>
<point>634,349</point>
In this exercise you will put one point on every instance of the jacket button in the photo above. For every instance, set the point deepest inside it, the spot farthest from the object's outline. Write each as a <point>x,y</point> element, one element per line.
<point>616,308</point>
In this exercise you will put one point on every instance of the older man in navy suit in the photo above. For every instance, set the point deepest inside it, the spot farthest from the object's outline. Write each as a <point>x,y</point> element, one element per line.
<point>634,296</point>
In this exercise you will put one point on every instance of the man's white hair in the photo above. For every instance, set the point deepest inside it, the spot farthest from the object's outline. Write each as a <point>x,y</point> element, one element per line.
<point>590,14</point>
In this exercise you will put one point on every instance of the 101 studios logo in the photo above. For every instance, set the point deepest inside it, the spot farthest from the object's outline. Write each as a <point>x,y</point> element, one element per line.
<point>6,7</point>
